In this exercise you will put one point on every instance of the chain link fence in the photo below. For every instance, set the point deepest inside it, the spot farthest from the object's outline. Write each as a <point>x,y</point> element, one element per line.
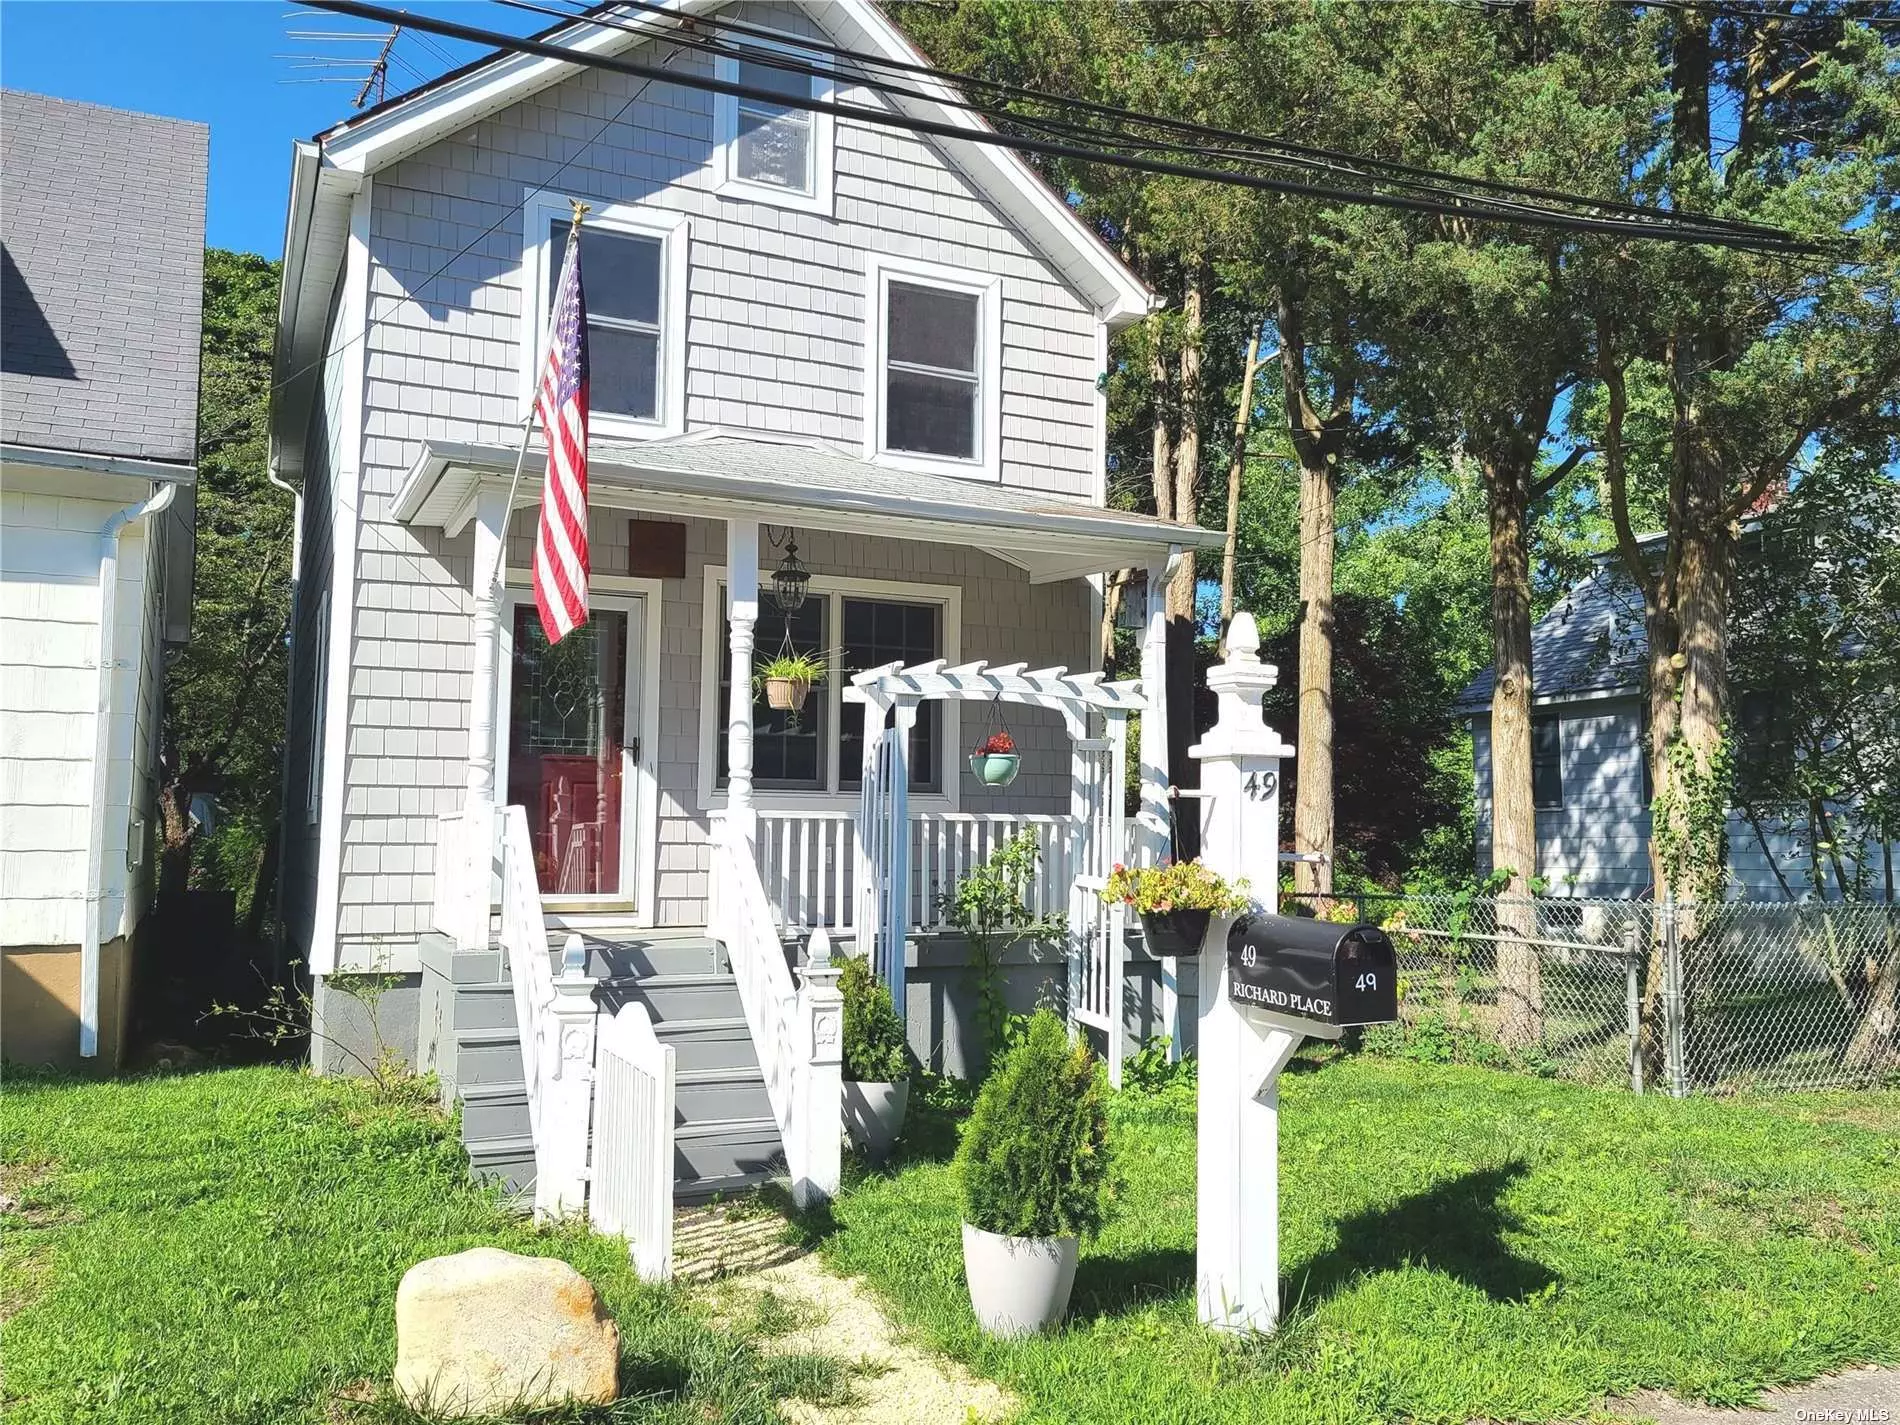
<point>1681,998</point>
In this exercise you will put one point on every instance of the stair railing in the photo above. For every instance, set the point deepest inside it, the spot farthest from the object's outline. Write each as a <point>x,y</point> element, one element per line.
<point>631,1188</point>
<point>797,1030</point>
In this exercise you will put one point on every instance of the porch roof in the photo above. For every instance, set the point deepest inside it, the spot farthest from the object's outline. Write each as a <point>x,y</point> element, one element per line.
<point>720,476</point>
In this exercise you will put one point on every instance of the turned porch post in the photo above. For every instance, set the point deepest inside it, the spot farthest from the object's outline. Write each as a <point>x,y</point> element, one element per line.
<point>742,609</point>
<point>473,876</point>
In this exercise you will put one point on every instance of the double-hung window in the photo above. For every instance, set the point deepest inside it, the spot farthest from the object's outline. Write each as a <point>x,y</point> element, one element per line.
<point>771,147</point>
<point>1547,762</point>
<point>935,368</point>
<point>633,277</point>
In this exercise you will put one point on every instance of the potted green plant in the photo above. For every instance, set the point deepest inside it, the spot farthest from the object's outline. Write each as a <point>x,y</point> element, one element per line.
<point>1033,1169</point>
<point>788,677</point>
<point>996,761</point>
<point>1176,900</point>
<point>876,1061</point>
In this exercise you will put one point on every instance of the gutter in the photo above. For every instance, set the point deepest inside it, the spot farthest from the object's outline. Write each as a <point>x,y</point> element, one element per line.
<point>133,466</point>
<point>92,933</point>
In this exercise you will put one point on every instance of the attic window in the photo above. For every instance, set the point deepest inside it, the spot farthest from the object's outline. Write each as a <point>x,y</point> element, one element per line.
<point>774,152</point>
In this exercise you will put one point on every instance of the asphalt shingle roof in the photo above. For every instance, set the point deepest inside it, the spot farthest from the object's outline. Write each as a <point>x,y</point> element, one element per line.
<point>102,222</point>
<point>1591,643</point>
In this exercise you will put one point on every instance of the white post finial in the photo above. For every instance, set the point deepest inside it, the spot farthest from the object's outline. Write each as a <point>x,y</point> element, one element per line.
<point>1243,639</point>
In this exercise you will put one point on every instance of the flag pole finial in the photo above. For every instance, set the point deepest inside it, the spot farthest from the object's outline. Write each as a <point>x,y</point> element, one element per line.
<point>581,210</point>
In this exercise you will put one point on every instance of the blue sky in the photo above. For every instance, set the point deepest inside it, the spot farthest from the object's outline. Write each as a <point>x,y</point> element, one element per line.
<point>222,64</point>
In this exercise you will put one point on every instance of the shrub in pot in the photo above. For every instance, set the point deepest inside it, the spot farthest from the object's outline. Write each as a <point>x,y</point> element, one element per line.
<point>876,1061</point>
<point>1033,1169</point>
<point>788,679</point>
<point>1176,900</point>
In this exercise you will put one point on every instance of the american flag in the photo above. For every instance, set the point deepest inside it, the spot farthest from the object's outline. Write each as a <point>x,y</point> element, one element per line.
<point>560,546</point>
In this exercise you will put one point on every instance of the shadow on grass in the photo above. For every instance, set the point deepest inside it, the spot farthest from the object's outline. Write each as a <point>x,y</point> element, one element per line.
<point>1116,1286</point>
<point>1456,1227</point>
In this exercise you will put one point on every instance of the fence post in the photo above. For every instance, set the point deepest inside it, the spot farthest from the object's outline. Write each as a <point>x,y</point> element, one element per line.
<point>1672,1003</point>
<point>1633,1002</point>
<point>818,1105</point>
<point>567,1088</point>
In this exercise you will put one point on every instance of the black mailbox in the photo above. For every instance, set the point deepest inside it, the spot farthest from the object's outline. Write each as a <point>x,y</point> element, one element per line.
<point>1314,975</point>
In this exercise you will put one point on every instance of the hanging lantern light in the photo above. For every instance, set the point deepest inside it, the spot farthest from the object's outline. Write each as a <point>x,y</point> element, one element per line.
<point>791,580</point>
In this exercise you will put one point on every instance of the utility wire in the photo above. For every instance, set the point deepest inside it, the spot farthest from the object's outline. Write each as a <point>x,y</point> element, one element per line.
<point>1197,141</point>
<point>990,137</point>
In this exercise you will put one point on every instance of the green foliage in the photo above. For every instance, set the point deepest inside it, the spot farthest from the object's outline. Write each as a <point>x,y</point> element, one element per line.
<point>1149,1071</point>
<point>1434,1037</point>
<point>224,1247</point>
<point>1034,1160</point>
<point>285,1017</point>
<point>799,667</point>
<point>1455,1244</point>
<point>1175,885</point>
<point>990,906</point>
<point>1689,821</point>
<point>874,1047</point>
<point>225,691</point>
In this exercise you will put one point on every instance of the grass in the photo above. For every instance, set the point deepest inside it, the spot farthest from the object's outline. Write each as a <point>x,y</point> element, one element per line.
<point>224,1247</point>
<point>1456,1244</point>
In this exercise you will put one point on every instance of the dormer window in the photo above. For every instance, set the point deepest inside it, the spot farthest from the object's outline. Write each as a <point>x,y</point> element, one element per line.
<point>771,151</point>
<point>633,270</point>
<point>935,368</point>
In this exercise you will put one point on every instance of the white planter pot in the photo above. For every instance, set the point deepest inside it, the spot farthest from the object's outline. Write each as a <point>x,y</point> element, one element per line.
<point>1018,1285</point>
<point>874,1115</point>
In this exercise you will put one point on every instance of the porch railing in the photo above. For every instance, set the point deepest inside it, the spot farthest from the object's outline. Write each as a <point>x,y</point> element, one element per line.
<point>808,870</point>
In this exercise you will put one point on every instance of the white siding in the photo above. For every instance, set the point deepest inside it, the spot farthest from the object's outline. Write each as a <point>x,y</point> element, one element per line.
<point>775,342</point>
<point>49,649</point>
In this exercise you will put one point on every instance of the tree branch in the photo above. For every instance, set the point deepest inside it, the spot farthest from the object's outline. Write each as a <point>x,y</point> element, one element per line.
<point>1543,487</point>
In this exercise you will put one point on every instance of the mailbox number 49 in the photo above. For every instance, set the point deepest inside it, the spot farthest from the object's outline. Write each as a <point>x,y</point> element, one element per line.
<point>1366,981</point>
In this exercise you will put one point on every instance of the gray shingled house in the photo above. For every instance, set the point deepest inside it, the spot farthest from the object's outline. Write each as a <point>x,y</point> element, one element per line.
<point>1590,780</point>
<point>102,220</point>
<point>883,348</point>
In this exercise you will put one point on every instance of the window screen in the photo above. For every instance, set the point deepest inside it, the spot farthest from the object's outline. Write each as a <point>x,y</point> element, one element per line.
<point>620,275</point>
<point>931,385</point>
<point>1547,762</point>
<point>773,144</point>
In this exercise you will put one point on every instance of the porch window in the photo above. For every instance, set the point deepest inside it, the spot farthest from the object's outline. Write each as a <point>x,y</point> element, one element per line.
<point>876,633</point>
<point>620,275</point>
<point>1547,763</point>
<point>788,749</point>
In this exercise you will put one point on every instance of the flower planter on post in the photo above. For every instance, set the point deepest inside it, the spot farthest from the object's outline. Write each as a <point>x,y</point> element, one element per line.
<point>1176,901</point>
<point>1175,932</point>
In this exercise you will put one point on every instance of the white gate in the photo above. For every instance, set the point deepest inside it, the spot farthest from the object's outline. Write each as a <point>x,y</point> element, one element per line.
<point>1096,945</point>
<point>632,1190</point>
<point>883,871</point>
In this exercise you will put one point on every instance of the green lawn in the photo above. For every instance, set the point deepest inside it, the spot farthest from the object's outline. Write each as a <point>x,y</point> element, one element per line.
<point>224,1248</point>
<point>1459,1243</point>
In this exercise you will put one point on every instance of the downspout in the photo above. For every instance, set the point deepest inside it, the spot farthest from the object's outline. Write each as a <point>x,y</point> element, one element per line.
<point>283,782</point>
<point>91,934</point>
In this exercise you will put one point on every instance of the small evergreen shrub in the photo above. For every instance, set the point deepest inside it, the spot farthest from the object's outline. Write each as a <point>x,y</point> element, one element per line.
<point>1034,1159</point>
<point>874,1047</point>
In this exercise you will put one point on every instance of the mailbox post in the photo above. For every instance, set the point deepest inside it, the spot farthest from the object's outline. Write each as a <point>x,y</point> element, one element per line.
<point>1237,1236</point>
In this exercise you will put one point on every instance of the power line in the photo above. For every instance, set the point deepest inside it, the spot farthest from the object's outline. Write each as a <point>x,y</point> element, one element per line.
<point>1470,209</point>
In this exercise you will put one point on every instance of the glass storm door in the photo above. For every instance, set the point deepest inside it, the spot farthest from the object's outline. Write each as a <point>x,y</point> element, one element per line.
<point>572,750</point>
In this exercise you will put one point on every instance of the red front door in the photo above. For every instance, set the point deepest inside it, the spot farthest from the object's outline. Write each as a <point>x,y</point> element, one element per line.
<point>566,750</point>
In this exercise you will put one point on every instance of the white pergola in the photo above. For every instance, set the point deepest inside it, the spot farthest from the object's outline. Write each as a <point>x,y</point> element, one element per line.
<point>1095,808</point>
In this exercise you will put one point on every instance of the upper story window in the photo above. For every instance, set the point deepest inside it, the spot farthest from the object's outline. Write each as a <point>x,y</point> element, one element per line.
<point>935,368</point>
<point>775,152</point>
<point>1547,762</point>
<point>633,271</point>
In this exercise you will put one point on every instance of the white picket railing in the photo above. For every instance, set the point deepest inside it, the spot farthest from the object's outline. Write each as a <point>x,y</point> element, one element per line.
<point>464,875</point>
<point>524,939</point>
<point>807,862</point>
<point>796,1032</point>
<point>631,1191</point>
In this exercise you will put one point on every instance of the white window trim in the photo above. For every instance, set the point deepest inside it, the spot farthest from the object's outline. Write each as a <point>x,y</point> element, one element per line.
<point>714,654</point>
<point>880,270</point>
<point>820,169</point>
<point>539,209</point>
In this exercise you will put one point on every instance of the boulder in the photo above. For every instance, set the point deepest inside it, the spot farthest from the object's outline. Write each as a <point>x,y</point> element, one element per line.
<point>485,1331</point>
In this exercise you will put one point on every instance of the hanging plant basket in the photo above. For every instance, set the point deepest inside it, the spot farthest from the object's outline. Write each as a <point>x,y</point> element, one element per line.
<point>996,762</point>
<point>787,694</point>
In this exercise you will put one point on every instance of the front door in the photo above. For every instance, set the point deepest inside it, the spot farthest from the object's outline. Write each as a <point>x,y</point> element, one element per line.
<point>573,745</point>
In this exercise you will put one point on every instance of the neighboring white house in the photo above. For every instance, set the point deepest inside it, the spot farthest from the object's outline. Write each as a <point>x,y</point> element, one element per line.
<point>102,214</point>
<point>1590,780</point>
<point>886,347</point>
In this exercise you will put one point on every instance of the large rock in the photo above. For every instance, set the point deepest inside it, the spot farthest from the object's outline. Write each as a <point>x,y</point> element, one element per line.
<point>484,1331</point>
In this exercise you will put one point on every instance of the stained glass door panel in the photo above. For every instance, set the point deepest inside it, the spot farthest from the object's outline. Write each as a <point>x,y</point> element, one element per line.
<point>567,750</point>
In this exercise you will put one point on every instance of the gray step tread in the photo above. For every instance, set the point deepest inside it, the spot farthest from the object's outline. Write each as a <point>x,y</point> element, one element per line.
<point>688,1026</point>
<point>478,1038</point>
<point>481,1093</point>
<point>739,1128</point>
<point>661,982</point>
<point>719,1076</point>
<point>501,1147</point>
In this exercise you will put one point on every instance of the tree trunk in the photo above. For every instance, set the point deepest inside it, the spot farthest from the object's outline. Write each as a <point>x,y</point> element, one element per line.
<point>1876,1041</point>
<point>175,840</point>
<point>1183,770</point>
<point>1313,789</point>
<point>1513,813</point>
<point>1236,468</point>
<point>1114,593</point>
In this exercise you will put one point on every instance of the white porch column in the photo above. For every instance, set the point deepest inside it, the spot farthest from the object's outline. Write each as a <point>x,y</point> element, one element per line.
<point>472,889</point>
<point>1237,1232</point>
<point>742,608</point>
<point>1151,839</point>
<point>896,916</point>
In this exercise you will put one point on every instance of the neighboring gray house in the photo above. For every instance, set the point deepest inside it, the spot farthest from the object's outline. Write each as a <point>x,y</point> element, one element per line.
<point>1590,779</point>
<point>887,347</point>
<point>102,220</point>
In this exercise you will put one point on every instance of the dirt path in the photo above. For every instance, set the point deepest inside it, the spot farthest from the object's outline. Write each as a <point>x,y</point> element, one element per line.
<point>752,1274</point>
<point>1868,1395</point>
